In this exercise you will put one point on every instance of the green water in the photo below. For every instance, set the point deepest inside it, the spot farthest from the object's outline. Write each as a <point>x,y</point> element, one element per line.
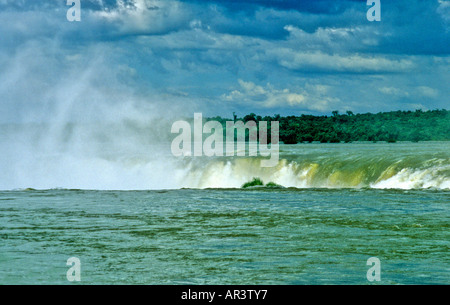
<point>225,236</point>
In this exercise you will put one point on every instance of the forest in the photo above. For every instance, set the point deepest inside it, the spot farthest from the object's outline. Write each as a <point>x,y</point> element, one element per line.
<point>414,126</point>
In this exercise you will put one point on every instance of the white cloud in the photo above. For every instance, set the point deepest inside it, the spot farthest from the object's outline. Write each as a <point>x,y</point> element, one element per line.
<point>427,92</point>
<point>312,97</point>
<point>332,38</point>
<point>444,10</point>
<point>417,92</point>
<point>353,63</point>
<point>394,91</point>
<point>147,16</point>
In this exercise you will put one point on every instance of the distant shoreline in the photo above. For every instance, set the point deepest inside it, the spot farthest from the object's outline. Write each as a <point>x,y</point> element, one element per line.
<point>390,127</point>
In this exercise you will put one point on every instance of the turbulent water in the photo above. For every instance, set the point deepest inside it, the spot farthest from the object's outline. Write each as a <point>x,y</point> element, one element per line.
<point>385,166</point>
<point>252,236</point>
<point>137,217</point>
<point>126,158</point>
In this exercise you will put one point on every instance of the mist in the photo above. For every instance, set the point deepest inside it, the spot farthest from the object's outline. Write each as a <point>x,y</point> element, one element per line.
<point>71,120</point>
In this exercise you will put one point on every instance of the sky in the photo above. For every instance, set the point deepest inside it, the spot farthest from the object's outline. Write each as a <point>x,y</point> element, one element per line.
<point>167,58</point>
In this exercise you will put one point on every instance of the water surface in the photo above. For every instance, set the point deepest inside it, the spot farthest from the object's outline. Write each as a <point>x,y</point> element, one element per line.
<point>225,236</point>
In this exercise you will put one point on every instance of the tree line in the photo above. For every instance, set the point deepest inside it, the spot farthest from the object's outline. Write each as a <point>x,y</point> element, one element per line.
<point>415,126</point>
